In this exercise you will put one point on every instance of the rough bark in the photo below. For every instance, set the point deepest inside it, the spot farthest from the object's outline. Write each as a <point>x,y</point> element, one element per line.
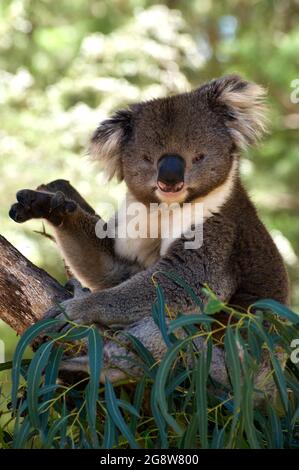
<point>26,291</point>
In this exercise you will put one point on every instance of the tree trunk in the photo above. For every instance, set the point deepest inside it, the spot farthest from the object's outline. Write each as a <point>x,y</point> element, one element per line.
<point>26,291</point>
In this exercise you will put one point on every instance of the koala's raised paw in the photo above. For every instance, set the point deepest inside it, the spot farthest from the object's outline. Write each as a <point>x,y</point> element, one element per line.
<point>37,204</point>
<point>69,191</point>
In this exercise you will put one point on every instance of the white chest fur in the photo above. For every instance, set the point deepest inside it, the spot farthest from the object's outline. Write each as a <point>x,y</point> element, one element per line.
<point>161,227</point>
<point>133,241</point>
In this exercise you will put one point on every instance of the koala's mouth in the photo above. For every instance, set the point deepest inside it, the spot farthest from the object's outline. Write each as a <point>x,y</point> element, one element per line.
<point>170,188</point>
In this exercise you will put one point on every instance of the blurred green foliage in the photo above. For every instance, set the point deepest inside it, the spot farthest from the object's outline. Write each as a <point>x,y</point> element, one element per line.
<point>66,65</point>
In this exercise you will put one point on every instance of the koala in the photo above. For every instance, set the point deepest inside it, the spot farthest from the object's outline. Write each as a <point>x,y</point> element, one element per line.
<point>182,149</point>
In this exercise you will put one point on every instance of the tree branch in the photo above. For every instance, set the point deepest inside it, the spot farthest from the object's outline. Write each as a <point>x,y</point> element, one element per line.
<point>26,291</point>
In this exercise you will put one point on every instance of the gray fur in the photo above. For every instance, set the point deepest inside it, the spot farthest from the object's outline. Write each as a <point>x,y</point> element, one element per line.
<point>238,259</point>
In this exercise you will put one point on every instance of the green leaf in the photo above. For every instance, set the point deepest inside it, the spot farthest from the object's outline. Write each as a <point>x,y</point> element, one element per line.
<point>176,381</point>
<point>255,344</point>
<point>54,429</point>
<point>182,283</point>
<point>138,397</point>
<point>280,380</point>
<point>161,317</point>
<point>265,426</point>
<point>37,365</point>
<point>279,376</point>
<point>64,425</point>
<point>21,434</point>
<point>276,307</point>
<point>201,399</point>
<point>128,407</point>
<point>159,420</point>
<point>191,319</point>
<point>247,411</point>
<point>276,430</point>
<point>95,354</point>
<point>51,374</point>
<point>144,354</point>
<point>218,438</point>
<point>161,379</point>
<point>190,436</point>
<point>234,368</point>
<point>23,405</point>
<point>109,433</point>
<point>213,306</point>
<point>116,416</point>
<point>25,341</point>
<point>52,369</point>
<point>76,333</point>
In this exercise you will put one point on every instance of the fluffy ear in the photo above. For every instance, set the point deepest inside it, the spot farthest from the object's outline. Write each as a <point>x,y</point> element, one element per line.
<point>107,142</point>
<point>244,107</point>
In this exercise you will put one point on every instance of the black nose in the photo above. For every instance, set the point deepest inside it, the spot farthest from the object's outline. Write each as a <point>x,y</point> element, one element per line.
<point>171,169</point>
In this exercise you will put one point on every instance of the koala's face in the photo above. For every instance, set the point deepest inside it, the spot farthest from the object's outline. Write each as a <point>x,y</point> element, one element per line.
<point>179,148</point>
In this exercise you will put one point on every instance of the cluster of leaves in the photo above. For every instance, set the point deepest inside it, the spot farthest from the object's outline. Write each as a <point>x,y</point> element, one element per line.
<point>178,403</point>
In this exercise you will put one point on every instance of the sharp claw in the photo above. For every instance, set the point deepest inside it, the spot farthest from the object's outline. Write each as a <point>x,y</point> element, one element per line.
<point>73,284</point>
<point>75,287</point>
<point>14,212</point>
<point>52,313</point>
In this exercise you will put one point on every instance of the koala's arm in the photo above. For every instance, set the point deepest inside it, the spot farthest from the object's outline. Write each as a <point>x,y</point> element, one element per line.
<point>91,259</point>
<point>132,300</point>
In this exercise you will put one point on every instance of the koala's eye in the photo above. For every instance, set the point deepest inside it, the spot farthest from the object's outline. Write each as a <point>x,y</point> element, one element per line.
<point>147,159</point>
<point>199,158</point>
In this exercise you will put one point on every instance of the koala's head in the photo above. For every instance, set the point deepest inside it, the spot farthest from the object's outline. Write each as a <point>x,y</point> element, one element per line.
<point>179,148</point>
